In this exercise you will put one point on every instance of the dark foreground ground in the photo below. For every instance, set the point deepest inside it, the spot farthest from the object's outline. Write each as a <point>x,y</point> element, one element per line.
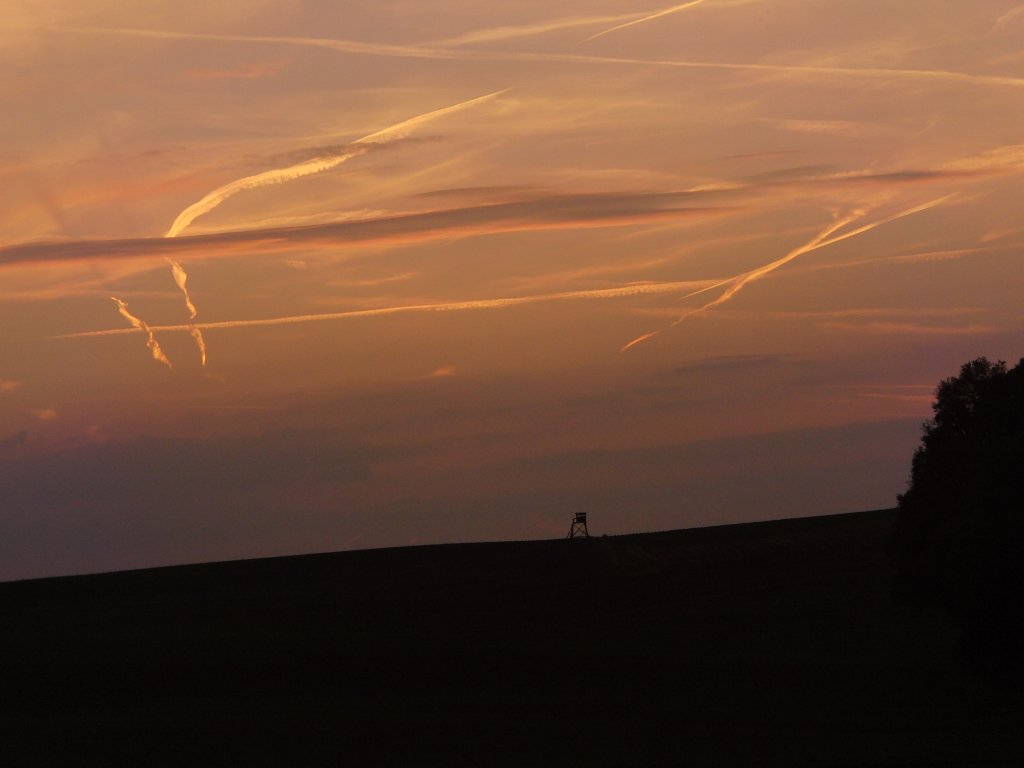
<point>764,644</point>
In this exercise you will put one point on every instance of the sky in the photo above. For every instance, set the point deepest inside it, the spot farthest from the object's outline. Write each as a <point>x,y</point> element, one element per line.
<point>287,276</point>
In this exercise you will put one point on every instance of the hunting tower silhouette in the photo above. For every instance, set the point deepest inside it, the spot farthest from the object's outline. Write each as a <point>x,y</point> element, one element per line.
<point>579,527</point>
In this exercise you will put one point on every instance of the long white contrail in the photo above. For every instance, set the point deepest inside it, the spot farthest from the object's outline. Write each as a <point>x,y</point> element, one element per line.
<point>462,54</point>
<point>316,165</point>
<point>824,238</point>
<point>651,17</point>
<point>140,325</point>
<point>275,176</point>
<point>638,289</point>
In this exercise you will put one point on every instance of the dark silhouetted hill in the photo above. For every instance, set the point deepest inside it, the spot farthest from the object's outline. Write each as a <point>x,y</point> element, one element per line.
<point>762,644</point>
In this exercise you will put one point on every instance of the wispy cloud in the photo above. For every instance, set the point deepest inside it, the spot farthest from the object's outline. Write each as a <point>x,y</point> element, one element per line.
<point>251,71</point>
<point>368,282</point>
<point>8,385</point>
<point>140,325</point>
<point>889,74</point>
<point>857,312</point>
<point>181,278</point>
<point>845,128</point>
<point>493,34</point>
<point>911,329</point>
<point>648,17</point>
<point>1006,18</point>
<point>917,257</point>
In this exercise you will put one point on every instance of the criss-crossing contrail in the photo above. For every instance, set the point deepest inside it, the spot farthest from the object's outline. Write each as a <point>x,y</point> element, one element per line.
<point>491,34</point>
<point>824,238</point>
<point>316,165</point>
<point>638,289</point>
<point>462,54</point>
<point>281,175</point>
<point>651,17</point>
<point>140,325</point>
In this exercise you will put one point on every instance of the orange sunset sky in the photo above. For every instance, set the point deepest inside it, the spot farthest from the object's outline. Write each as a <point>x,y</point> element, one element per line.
<point>283,276</point>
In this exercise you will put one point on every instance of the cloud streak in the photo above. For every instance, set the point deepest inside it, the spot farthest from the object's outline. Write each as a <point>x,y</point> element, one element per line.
<point>539,213</point>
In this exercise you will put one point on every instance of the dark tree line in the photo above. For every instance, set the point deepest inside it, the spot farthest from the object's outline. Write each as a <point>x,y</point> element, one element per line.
<point>960,532</point>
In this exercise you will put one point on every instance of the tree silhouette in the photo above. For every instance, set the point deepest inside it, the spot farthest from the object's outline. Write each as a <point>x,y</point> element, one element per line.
<point>960,532</point>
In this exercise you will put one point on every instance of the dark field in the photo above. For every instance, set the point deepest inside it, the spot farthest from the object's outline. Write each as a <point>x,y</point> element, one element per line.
<point>762,644</point>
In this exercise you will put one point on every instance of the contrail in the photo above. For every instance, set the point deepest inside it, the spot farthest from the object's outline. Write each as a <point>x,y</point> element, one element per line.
<point>200,343</point>
<point>462,54</point>
<point>451,306</point>
<point>490,34</point>
<point>181,278</point>
<point>404,128</point>
<point>821,240</point>
<point>276,176</point>
<point>139,325</point>
<point>756,274</point>
<point>316,165</point>
<point>657,15</point>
